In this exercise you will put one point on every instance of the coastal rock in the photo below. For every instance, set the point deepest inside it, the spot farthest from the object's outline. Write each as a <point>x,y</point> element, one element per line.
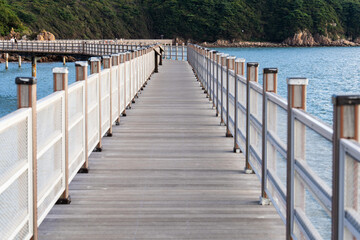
<point>302,38</point>
<point>237,43</point>
<point>357,40</point>
<point>305,39</point>
<point>14,34</point>
<point>343,42</point>
<point>322,40</point>
<point>45,36</point>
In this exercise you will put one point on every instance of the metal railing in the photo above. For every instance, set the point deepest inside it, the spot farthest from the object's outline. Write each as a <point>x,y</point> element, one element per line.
<point>45,143</point>
<point>311,179</point>
<point>67,47</point>
<point>175,52</point>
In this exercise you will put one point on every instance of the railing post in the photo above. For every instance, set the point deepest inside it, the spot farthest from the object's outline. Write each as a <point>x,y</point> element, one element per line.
<point>269,85</point>
<point>81,75</point>
<point>239,70</point>
<point>230,65</point>
<point>223,64</point>
<point>107,65</point>
<point>177,51</point>
<point>296,99</point>
<point>6,61</point>
<point>170,51</point>
<point>129,58</point>
<point>346,125</point>
<point>183,51</point>
<point>19,61</point>
<point>210,74</point>
<point>26,91</point>
<point>206,71</point>
<point>252,76</point>
<point>116,62</point>
<point>64,60</point>
<point>123,59</point>
<point>213,60</point>
<point>218,64</point>
<point>161,55</point>
<point>132,74</point>
<point>61,84</point>
<point>156,61</point>
<point>95,67</point>
<point>136,72</point>
<point>33,66</point>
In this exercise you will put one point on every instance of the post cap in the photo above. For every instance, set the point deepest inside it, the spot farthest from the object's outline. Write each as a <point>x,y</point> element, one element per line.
<point>238,60</point>
<point>81,64</point>
<point>224,55</point>
<point>231,58</point>
<point>115,54</point>
<point>215,52</point>
<point>297,81</point>
<point>252,64</point>
<point>106,57</point>
<point>340,100</point>
<point>60,70</point>
<point>219,53</point>
<point>25,81</point>
<point>270,70</point>
<point>94,59</point>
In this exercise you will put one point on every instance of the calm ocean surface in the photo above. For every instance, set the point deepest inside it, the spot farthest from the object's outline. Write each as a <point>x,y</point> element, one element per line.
<point>8,93</point>
<point>330,70</point>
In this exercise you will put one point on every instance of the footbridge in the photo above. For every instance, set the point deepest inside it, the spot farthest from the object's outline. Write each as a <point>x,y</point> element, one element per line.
<point>150,147</point>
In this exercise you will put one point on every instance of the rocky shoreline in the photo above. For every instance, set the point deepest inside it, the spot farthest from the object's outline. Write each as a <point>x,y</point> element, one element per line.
<point>300,39</point>
<point>246,44</point>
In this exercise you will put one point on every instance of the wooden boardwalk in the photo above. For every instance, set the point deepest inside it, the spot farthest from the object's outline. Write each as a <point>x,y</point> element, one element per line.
<point>168,172</point>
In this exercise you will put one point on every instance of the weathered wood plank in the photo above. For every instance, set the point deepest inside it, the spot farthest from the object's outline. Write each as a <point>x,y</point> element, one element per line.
<point>168,172</point>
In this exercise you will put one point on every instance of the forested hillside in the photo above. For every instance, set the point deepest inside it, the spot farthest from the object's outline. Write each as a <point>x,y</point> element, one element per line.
<point>200,20</point>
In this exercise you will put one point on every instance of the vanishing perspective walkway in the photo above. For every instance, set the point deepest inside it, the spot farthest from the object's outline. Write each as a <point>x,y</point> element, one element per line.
<point>168,172</point>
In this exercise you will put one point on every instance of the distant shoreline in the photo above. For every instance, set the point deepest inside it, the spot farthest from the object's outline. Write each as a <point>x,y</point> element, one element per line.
<point>248,44</point>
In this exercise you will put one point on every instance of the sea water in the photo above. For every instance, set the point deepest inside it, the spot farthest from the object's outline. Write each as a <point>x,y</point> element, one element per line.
<point>330,70</point>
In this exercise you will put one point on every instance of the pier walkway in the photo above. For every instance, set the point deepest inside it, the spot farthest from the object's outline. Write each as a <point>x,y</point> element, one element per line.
<point>168,172</point>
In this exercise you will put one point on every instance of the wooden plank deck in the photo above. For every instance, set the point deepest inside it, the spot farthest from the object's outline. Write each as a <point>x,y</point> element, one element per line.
<point>168,172</point>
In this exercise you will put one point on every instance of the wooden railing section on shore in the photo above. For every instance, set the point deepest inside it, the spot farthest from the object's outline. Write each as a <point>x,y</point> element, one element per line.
<point>47,142</point>
<point>287,148</point>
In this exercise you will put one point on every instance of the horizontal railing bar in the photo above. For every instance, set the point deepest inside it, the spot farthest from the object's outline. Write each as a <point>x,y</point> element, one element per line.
<point>14,117</point>
<point>352,222</point>
<point>277,143</point>
<point>75,120</point>
<point>255,153</point>
<point>54,139</point>
<point>316,185</point>
<point>255,123</point>
<point>241,107</point>
<point>278,185</point>
<point>313,123</point>
<point>19,170</point>
<point>256,87</point>
<point>48,100</point>
<point>352,148</point>
<point>306,225</point>
<point>276,99</point>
